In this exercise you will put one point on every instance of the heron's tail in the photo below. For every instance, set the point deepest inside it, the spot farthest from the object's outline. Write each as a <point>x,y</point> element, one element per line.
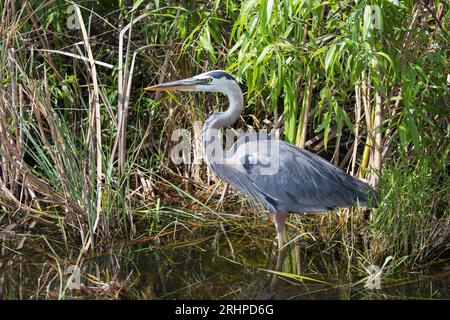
<point>365,194</point>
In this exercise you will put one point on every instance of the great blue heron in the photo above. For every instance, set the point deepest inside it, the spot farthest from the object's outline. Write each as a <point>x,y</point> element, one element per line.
<point>281,176</point>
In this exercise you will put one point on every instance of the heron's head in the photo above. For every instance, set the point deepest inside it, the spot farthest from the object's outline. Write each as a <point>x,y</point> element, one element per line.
<point>211,81</point>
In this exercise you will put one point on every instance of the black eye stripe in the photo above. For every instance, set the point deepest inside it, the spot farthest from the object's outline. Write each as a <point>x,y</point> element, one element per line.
<point>221,74</point>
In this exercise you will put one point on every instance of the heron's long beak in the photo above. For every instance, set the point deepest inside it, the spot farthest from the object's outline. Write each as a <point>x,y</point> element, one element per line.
<point>185,84</point>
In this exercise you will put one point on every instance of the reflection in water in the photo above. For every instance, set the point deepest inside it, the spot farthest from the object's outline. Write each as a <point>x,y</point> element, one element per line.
<point>205,265</point>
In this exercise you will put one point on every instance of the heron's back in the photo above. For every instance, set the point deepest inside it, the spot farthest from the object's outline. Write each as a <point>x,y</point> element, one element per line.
<point>302,181</point>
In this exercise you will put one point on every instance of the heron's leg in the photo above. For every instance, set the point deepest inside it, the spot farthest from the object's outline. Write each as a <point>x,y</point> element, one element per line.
<point>222,197</point>
<point>279,219</point>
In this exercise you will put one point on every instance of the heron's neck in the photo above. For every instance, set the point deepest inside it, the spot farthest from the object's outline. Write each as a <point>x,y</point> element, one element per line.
<point>210,134</point>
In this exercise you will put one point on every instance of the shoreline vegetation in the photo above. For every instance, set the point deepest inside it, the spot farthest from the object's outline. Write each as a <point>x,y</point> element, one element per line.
<point>85,155</point>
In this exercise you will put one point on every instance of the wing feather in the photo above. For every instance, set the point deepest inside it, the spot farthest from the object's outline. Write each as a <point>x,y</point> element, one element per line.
<point>303,182</point>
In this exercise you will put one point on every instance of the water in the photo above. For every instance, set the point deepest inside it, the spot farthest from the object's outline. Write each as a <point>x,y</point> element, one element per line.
<point>204,265</point>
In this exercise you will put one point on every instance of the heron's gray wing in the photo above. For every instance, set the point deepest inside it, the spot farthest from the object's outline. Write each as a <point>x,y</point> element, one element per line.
<point>240,182</point>
<point>298,181</point>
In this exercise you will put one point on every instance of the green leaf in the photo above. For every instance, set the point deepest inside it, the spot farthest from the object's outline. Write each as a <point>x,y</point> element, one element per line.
<point>319,51</point>
<point>379,53</point>
<point>329,60</point>
<point>413,131</point>
<point>266,51</point>
<point>269,9</point>
<point>402,134</point>
<point>325,125</point>
<point>136,5</point>
<point>295,276</point>
<point>290,110</point>
<point>367,20</point>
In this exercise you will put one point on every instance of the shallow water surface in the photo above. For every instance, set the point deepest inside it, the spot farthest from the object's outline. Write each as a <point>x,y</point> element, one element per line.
<point>205,265</point>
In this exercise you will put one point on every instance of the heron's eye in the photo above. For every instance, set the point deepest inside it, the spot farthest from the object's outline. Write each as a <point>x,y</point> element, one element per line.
<point>209,80</point>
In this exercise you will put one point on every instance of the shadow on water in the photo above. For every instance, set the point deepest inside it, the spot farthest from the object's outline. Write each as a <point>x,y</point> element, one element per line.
<point>206,264</point>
